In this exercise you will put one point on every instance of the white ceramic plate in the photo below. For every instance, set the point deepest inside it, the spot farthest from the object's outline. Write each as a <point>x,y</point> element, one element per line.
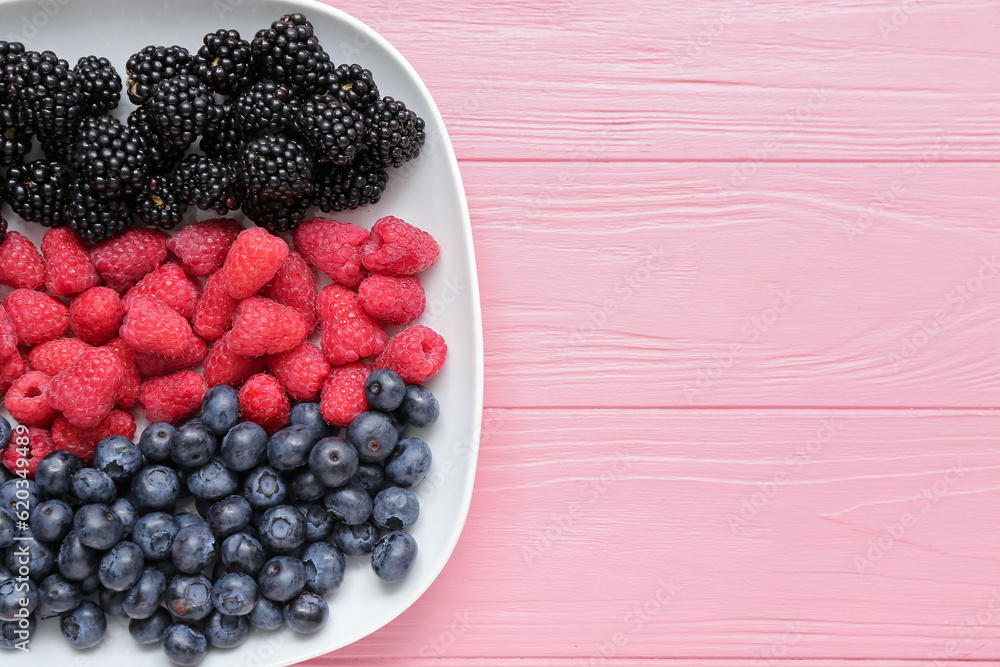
<point>426,192</point>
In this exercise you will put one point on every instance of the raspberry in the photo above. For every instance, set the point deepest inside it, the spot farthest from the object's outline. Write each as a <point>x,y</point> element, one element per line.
<point>128,390</point>
<point>86,391</point>
<point>40,444</point>
<point>168,285</point>
<point>343,396</point>
<point>253,260</point>
<point>26,400</point>
<point>332,247</point>
<point>124,260</point>
<point>223,366</point>
<point>95,315</point>
<point>57,355</point>
<point>154,327</point>
<point>172,398</point>
<point>21,265</point>
<point>300,370</point>
<point>294,286</point>
<point>416,354</point>
<point>214,314</point>
<point>262,326</point>
<point>398,249</point>
<point>392,299</point>
<point>83,442</point>
<point>153,365</point>
<point>37,317</point>
<point>349,333</point>
<point>12,368</point>
<point>262,400</point>
<point>202,247</point>
<point>8,335</point>
<point>68,269</point>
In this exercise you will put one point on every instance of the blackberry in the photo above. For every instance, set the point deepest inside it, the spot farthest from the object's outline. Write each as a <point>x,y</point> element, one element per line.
<point>289,52</point>
<point>100,84</point>
<point>358,184</point>
<point>354,85</point>
<point>331,128</point>
<point>222,140</point>
<point>109,156</point>
<point>395,134</point>
<point>153,64</point>
<point>162,156</point>
<point>15,135</point>
<point>275,167</point>
<point>38,191</point>
<point>275,215</point>
<point>95,219</point>
<point>224,62</point>
<point>182,107</point>
<point>11,55</point>
<point>206,183</point>
<point>48,93</point>
<point>266,108</point>
<point>158,205</point>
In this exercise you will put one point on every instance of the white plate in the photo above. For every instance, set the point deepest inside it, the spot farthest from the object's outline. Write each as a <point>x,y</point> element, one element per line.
<point>426,192</point>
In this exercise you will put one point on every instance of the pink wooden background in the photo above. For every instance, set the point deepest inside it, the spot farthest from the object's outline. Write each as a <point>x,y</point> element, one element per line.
<point>740,268</point>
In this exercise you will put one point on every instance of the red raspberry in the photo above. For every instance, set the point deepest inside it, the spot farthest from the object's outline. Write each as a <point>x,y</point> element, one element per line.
<point>172,398</point>
<point>21,265</point>
<point>154,327</point>
<point>169,285</point>
<point>392,299</point>
<point>57,355</point>
<point>153,365</point>
<point>349,333</point>
<point>343,396</point>
<point>253,260</point>
<point>86,391</point>
<point>294,286</point>
<point>202,247</point>
<point>8,335</point>
<point>83,442</point>
<point>39,445</point>
<point>262,326</point>
<point>416,354</point>
<point>12,368</point>
<point>332,247</point>
<point>397,248</point>
<point>95,315</point>
<point>37,317</point>
<point>26,400</point>
<point>223,366</point>
<point>124,260</point>
<point>214,315</point>
<point>68,269</point>
<point>128,390</point>
<point>262,400</point>
<point>300,370</point>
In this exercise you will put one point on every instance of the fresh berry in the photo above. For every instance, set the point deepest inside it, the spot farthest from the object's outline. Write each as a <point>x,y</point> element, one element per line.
<point>206,183</point>
<point>333,461</point>
<point>21,265</point>
<point>416,354</point>
<point>224,140</point>
<point>68,269</point>
<point>118,458</point>
<point>276,215</point>
<point>235,594</point>
<point>224,62</point>
<point>26,400</point>
<point>37,317</point>
<point>99,83</point>
<point>193,548</point>
<point>92,486</point>
<point>48,92</point>
<point>262,400</point>
<point>343,394</point>
<point>294,286</point>
<point>153,64</point>
<point>395,134</point>
<point>155,488</point>
<point>153,365</point>
<point>393,556</point>
<point>385,390</point>
<point>182,107</point>
<point>392,299</point>
<point>355,540</point>
<point>12,368</point>
<point>168,285</point>
<point>349,504</point>
<point>109,156</point>
<point>95,315</point>
<point>163,157</point>
<point>289,52</point>
<point>158,204</point>
<point>397,248</point>
<point>300,370</point>
<point>243,448</point>
<point>83,442</point>
<point>330,127</point>
<point>202,247</point>
<point>86,391</point>
<point>94,218</point>
<point>123,261</point>
<point>214,314</point>
<point>354,85</point>
<point>37,191</point>
<point>265,108</point>
<point>220,411</point>
<point>154,443</point>
<point>374,436</point>
<point>420,408</point>
<point>395,508</point>
<point>223,366</point>
<point>253,260</point>
<point>172,398</point>
<point>409,462</point>
<point>154,327</point>
<point>262,326</point>
<point>57,355</point>
<point>282,578</point>
<point>128,390</point>
<point>349,333</point>
<point>15,134</point>
<point>275,167</point>
<point>332,247</point>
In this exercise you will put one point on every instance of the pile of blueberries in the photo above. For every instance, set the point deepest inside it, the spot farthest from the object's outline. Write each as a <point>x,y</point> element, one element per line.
<point>275,518</point>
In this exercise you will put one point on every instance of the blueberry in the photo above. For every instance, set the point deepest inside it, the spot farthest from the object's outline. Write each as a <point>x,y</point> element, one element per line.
<point>54,475</point>
<point>395,509</point>
<point>266,614</point>
<point>40,557</point>
<point>282,578</point>
<point>192,445</point>
<point>319,523</point>
<point>193,548</point>
<point>112,602</point>
<point>243,553</point>
<point>156,487</point>
<point>7,532</point>
<point>264,487</point>
<point>385,390</point>
<point>289,448</point>
<point>76,561</point>
<point>150,630</point>
<point>126,512</point>
<point>97,526</point>
<point>324,567</point>
<point>184,645</point>
<point>282,529</point>
<point>84,626</point>
<point>189,519</point>
<point>228,516</point>
<point>154,443</point>
<point>5,432</point>
<point>121,566</point>
<point>373,435</point>
<point>118,458</point>
<point>90,585</point>
<point>244,446</point>
<point>166,566</point>
<point>306,485</point>
<point>17,634</point>
<point>224,631</point>
<point>306,613</point>
<point>220,411</point>
<point>16,595</point>
<point>154,533</point>
<point>91,485</point>
<point>393,556</point>
<point>333,461</point>
<point>310,415</point>
<point>349,504</point>
<point>189,597</point>
<point>51,520</point>
<point>398,419</point>
<point>142,599</point>
<point>202,505</point>
<point>420,406</point>
<point>12,495</point>
<point>409,462</point>
<point>213,480</point>
<point>58,594</point>
<point>355,540</point>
